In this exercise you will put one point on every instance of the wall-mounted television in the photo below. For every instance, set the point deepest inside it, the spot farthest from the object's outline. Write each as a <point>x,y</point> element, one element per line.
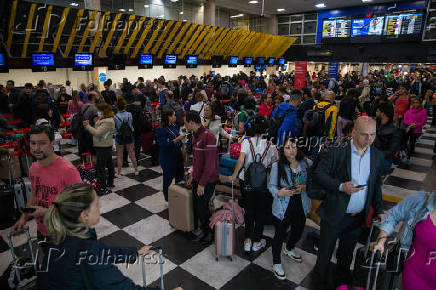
<point>260,61</point>
<point>42,62</point>
<point>248,61</point>
<point>191,61</point>
<point>3,65</point>
<point>170,61</point>
<point>281,61</point>
<point>257,67</point>
<point>117,62</point>
<point>271,61</point>
<point>145,61</point>
<point>217,61</point>
<point>83,62</point>
<point>233,61</point>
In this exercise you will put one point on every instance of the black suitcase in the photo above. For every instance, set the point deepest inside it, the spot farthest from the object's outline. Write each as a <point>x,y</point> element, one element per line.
<point>7,204</point>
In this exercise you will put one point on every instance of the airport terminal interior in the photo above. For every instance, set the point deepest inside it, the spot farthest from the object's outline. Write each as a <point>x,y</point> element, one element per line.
<point>251,144</point>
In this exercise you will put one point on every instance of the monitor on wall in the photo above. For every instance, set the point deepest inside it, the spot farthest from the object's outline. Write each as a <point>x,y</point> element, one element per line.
<point>3,64</point>
<point>191,61</point>
<point>170,61</point>
<point>42,62</point>
<point>217,61</point>
<point>117,62</point>
<point>83,62</point>
<point>281,61</point>
<point>233,61</point>
<point>271,61</point>
<point>248,61</point>
<point>145,61</point>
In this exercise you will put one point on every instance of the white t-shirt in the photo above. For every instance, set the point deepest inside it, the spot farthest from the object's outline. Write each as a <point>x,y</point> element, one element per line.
<point>259,145</point>
<point>286,98</point>
<point>199,107</point>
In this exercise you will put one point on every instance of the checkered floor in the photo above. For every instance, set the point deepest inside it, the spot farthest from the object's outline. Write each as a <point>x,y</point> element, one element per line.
<point>136,214</point>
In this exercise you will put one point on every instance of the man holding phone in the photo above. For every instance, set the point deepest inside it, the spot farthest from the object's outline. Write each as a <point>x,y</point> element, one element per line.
<point>48,176</point>
<point>350,182</point>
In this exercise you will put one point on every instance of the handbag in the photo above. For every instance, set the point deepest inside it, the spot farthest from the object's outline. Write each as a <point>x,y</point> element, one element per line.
<point>397,256</point>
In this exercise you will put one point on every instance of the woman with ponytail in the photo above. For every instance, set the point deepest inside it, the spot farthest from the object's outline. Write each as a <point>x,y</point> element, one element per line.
<point>76,259</point>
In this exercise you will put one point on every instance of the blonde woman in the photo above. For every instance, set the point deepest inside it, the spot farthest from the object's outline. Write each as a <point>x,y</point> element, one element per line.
<point>102,137</point>
<point>77,259</point>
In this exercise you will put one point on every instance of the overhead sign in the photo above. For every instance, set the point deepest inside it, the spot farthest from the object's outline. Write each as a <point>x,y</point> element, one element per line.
<point>102,77</point>
<point>333,70</point>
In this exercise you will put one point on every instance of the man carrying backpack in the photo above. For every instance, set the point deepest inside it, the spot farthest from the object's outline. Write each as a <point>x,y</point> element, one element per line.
<point>225,88</point>
<point>176,107</point>
<point>87,113</point>
<point>256,156</point>
<point>242,119</point>
<point>321,121</point>
<point>284,121</point>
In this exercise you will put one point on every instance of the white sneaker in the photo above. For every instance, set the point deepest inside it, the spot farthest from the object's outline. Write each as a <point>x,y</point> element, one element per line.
<point>259,245</point>
<point>292,254</point>
<point>247,246</point>
<point>279,272</point>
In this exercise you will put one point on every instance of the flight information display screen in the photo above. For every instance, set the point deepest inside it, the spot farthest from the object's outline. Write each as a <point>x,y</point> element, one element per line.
<point>171,59</point>
<point>2,59</point>
<point>281,61</point>
<point>248,60</point>
<point>367,26</point>
<point>404,24</point>
<point>43,59</point>
<point>233,60</point>
<point>192,59</point>
<point>83,59</point>
<point>333,28</point>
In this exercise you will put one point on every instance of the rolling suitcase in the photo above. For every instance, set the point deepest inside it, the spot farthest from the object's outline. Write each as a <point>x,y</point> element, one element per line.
<point>225,237</point>
<point>181,208</point>
<point>161,261</point>
<point>7,205</point>
<point>24,269</point>
<point>22,189</point>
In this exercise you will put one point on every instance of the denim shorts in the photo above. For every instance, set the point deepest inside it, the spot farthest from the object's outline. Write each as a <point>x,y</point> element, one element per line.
<point>119,141</point>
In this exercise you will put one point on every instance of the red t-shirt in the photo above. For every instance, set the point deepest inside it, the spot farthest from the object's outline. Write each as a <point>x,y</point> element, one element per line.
<point>401,106</point>
<point>48,181</point>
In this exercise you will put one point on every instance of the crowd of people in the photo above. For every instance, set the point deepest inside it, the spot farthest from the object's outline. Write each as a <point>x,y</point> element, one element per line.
<point>333,141</point>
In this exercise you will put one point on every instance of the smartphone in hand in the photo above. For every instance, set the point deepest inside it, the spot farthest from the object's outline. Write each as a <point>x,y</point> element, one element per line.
<point>359,185</point>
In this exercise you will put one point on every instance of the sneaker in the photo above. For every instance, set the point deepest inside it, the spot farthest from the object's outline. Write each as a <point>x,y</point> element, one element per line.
<point>136,173</point>
<point>104,191</point>
<point>247,246</point>
<point>259,245</point>
<point>279,272</point>
<point>292,254</point>
<point>110,185</point>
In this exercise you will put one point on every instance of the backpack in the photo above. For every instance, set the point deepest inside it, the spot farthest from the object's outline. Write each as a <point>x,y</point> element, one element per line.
<point>315,120</point>
<point>77,123</point>
<point>125,131</point>
<point>180,114</point>
<point>276,123</point>
<point>143,121</point>
<point>224,89</point>
<point>256,176</point>
<point>236,120</point>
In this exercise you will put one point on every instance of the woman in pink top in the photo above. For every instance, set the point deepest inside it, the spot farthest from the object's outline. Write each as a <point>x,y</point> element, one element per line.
<point>413,120</point>
<point>420,266</point>
<point>75,104</point>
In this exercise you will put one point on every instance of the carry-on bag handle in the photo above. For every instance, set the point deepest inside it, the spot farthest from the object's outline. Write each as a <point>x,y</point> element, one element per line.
<point>144,277</point>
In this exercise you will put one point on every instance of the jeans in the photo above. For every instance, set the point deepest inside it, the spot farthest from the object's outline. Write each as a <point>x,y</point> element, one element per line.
<point>295,217</point>
<point>387,164</point>
<point>412,138</point>
<point>254,206</point>
<point>348,232</point>
<point>104,160</point>
<point>201,205</point>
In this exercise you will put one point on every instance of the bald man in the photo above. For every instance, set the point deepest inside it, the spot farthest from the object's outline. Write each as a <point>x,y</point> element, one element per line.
<point>351,179</point>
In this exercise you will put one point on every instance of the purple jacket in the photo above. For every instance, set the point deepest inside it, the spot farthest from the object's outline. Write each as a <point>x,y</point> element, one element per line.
<point>417,116</point>
<point>205,157</point>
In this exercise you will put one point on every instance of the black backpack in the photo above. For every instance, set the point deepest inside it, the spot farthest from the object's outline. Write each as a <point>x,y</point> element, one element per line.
<point>276,123</point>
<point>144,121</point>
<point>125,132</point>
<point>315,120</point>
<point>256,176</point>
<point>77,123</point>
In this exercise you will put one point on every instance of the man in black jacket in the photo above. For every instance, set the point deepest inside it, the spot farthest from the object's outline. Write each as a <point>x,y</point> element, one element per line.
<point>23,108</point>
<point>350,179</point>
<point>388,139</point>
<point>109,95</point>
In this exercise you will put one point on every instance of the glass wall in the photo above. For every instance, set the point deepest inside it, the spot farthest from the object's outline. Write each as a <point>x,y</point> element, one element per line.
<point>237,20</point>
<point>301,26</point>
<point>190,11</point>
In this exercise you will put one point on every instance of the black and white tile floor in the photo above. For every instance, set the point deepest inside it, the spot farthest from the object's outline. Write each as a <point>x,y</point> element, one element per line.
<point>135,214</point>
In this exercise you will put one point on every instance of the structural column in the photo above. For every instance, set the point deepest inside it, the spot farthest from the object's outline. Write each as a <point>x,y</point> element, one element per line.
<point>209,12</point>
<point>272,24</point>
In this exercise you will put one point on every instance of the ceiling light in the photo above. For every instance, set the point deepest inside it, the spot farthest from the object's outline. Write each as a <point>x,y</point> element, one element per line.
<point>184,20</point>
<point>181,13</point>
<point>174,0</point>
<point>74,4</point>
<point>131,10</point>
<point>238,15</point>
<point>122,10</point>
<point>280,9</point>
<point>253,2</point>
<point>146,6</point>
<point>161,16</point>
<point>366,1</point>
<point>320,5</point>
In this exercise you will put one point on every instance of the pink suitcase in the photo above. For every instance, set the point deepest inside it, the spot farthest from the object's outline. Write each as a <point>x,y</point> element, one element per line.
<point>225,237</point>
